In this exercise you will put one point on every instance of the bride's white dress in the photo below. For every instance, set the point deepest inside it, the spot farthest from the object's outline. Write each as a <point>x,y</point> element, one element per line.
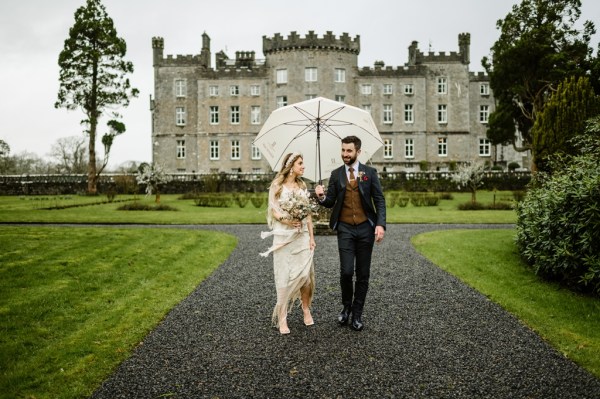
<point>292,260</point>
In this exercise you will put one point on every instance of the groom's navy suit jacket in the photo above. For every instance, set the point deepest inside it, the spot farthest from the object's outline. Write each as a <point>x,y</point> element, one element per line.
<point>371,195</point>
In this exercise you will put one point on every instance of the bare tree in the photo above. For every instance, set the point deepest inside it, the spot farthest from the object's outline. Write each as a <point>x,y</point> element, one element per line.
<point>70,154</point>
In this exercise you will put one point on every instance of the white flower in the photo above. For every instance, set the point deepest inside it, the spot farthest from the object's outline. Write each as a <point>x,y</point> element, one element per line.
<point>297,204</point>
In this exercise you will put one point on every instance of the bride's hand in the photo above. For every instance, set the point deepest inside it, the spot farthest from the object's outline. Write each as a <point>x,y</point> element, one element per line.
<point>313,245</point>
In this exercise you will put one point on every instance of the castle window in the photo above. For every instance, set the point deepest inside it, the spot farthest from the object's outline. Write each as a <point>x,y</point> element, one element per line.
<point>339,75</point>
<point>388,149</point>
<point>310,74</point>
<point>409,148</point>
<point>388,89</point>
<point>214,115</point>
<point>409,116</point>
<point>484,113</point>
<point>180,88</point>
<point>255,90</point>
<point>409,89</point>
<point>213,91</point>
<point>281,101</point>
<point>442,85</point>
<point>484,89</point>
<point>235,149</point>
<point>234,115</point>
<point>442,146</point>
<point>180,116</point>
<point>214,150</point>
<point>387,114</point>
<point>366,89</point>
<point>255,115</point>
<point>281,76</point>
<point>234,90</point>
<point>442,113</point>
<point>340,99</point>
<point>367,107</point>
<point>180,149</point>
<point>485,147</point>
<point>256,152</point>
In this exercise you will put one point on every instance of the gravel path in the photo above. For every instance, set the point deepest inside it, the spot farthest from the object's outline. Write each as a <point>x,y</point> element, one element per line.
<point>426,335</point>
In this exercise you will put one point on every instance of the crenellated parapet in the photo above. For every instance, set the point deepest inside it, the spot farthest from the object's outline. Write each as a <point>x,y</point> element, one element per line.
<point>311,41</point>
<point>479,77</point>
<point>415,56</point>
<point>388,71</point>
<point>202,59</point>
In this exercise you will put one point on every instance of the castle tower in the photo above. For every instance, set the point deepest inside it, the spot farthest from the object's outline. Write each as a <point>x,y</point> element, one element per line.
<point>324,56</point>
<point>158,45</point>
<point>464,42</point>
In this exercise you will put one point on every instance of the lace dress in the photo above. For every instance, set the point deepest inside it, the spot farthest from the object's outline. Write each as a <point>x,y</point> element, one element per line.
<point>292,258</point>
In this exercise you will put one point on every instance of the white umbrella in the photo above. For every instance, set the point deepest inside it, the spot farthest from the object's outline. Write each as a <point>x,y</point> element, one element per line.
<point>315,128</point>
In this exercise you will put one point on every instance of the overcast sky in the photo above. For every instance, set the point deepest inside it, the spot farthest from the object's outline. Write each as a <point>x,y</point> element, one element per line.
<point>32,34</point>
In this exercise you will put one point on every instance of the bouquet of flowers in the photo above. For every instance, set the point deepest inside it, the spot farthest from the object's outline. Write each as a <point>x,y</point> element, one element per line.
<point>297,204</point>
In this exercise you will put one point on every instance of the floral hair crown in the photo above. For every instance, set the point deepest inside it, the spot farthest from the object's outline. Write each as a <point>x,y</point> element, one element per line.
<point>291,159</point>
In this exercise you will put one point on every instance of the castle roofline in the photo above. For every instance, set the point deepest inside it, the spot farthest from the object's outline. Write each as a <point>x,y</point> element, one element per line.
<point>311,41</point>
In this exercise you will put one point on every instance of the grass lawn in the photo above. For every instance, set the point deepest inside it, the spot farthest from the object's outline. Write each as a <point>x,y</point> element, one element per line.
<point>488,261</point>
<point>15,209</point>
<point>74,302</point>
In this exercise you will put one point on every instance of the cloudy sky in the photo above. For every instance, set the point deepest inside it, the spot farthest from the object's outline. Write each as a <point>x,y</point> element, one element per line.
<point>32,34</point>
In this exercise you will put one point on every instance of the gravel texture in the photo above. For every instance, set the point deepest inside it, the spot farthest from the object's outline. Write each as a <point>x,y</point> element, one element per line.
<point>426,335</point>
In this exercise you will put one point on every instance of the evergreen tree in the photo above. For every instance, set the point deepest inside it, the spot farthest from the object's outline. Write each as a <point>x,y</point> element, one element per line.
<point>538,47</point>
<point>563,117</point>
<point>93,77</point>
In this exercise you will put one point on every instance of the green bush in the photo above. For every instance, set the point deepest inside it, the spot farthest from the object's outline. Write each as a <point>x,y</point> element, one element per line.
<point>241,199</point>
<point>138,206</point>
<point>214,200</point>
<point>424,199</point>
<point>558,222</point>
<point>471,206</point>
<point>513,166</point>
<point>258,199</point>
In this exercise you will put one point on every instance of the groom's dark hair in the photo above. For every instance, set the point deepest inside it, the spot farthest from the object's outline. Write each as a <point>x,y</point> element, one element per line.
<point>352,139</point>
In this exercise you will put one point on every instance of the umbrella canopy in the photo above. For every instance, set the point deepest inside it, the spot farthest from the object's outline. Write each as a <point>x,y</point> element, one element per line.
<point>315,128</point>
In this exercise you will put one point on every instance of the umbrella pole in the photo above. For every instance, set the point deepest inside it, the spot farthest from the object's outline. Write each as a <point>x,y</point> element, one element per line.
<point>319,149</point>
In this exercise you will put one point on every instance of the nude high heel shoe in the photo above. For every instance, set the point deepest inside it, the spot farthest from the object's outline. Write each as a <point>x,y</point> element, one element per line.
<point>283,327</point>
<point>308,320</point>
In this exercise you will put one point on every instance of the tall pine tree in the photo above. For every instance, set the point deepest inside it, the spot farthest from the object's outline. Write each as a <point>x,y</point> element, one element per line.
<point>93,77</point>
<point>564,116</point>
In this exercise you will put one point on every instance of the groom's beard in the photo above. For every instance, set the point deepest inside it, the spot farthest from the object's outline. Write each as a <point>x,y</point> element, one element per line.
<point>349,160</point>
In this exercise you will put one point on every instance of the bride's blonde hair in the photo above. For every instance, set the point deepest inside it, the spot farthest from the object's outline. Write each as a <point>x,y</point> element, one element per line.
<point>288,163</point>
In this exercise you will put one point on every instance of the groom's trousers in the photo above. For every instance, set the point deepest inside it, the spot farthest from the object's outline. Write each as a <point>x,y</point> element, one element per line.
<point>355,245</point>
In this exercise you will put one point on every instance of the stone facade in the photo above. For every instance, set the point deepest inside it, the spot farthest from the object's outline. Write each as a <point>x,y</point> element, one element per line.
<point>431,112</point>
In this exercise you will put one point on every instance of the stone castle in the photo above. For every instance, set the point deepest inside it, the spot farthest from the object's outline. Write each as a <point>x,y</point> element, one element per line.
<point>432,112</point>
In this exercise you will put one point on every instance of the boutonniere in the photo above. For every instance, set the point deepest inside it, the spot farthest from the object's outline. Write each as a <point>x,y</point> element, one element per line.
<point>362,176</point>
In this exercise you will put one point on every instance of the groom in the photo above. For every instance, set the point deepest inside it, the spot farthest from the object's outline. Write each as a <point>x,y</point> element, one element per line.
<point>355,194</point>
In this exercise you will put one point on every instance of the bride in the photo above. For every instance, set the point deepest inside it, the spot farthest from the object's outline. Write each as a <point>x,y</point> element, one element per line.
<point>289,218</point>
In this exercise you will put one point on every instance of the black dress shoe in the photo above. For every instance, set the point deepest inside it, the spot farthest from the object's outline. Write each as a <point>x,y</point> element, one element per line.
<point>357,323</point>
<point>344,315</point>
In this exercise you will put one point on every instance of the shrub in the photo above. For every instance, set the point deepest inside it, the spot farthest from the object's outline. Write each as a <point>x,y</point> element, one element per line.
<point>402,201</point>
<point>471,206</point>
<point>241,199</point>
<point>513,166</point>
<point>137,206</point>
<point>214,200</point>
<point>446,196</point>
<point>258,199</point>
<point>424,199</point>
<point>558,222</point>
